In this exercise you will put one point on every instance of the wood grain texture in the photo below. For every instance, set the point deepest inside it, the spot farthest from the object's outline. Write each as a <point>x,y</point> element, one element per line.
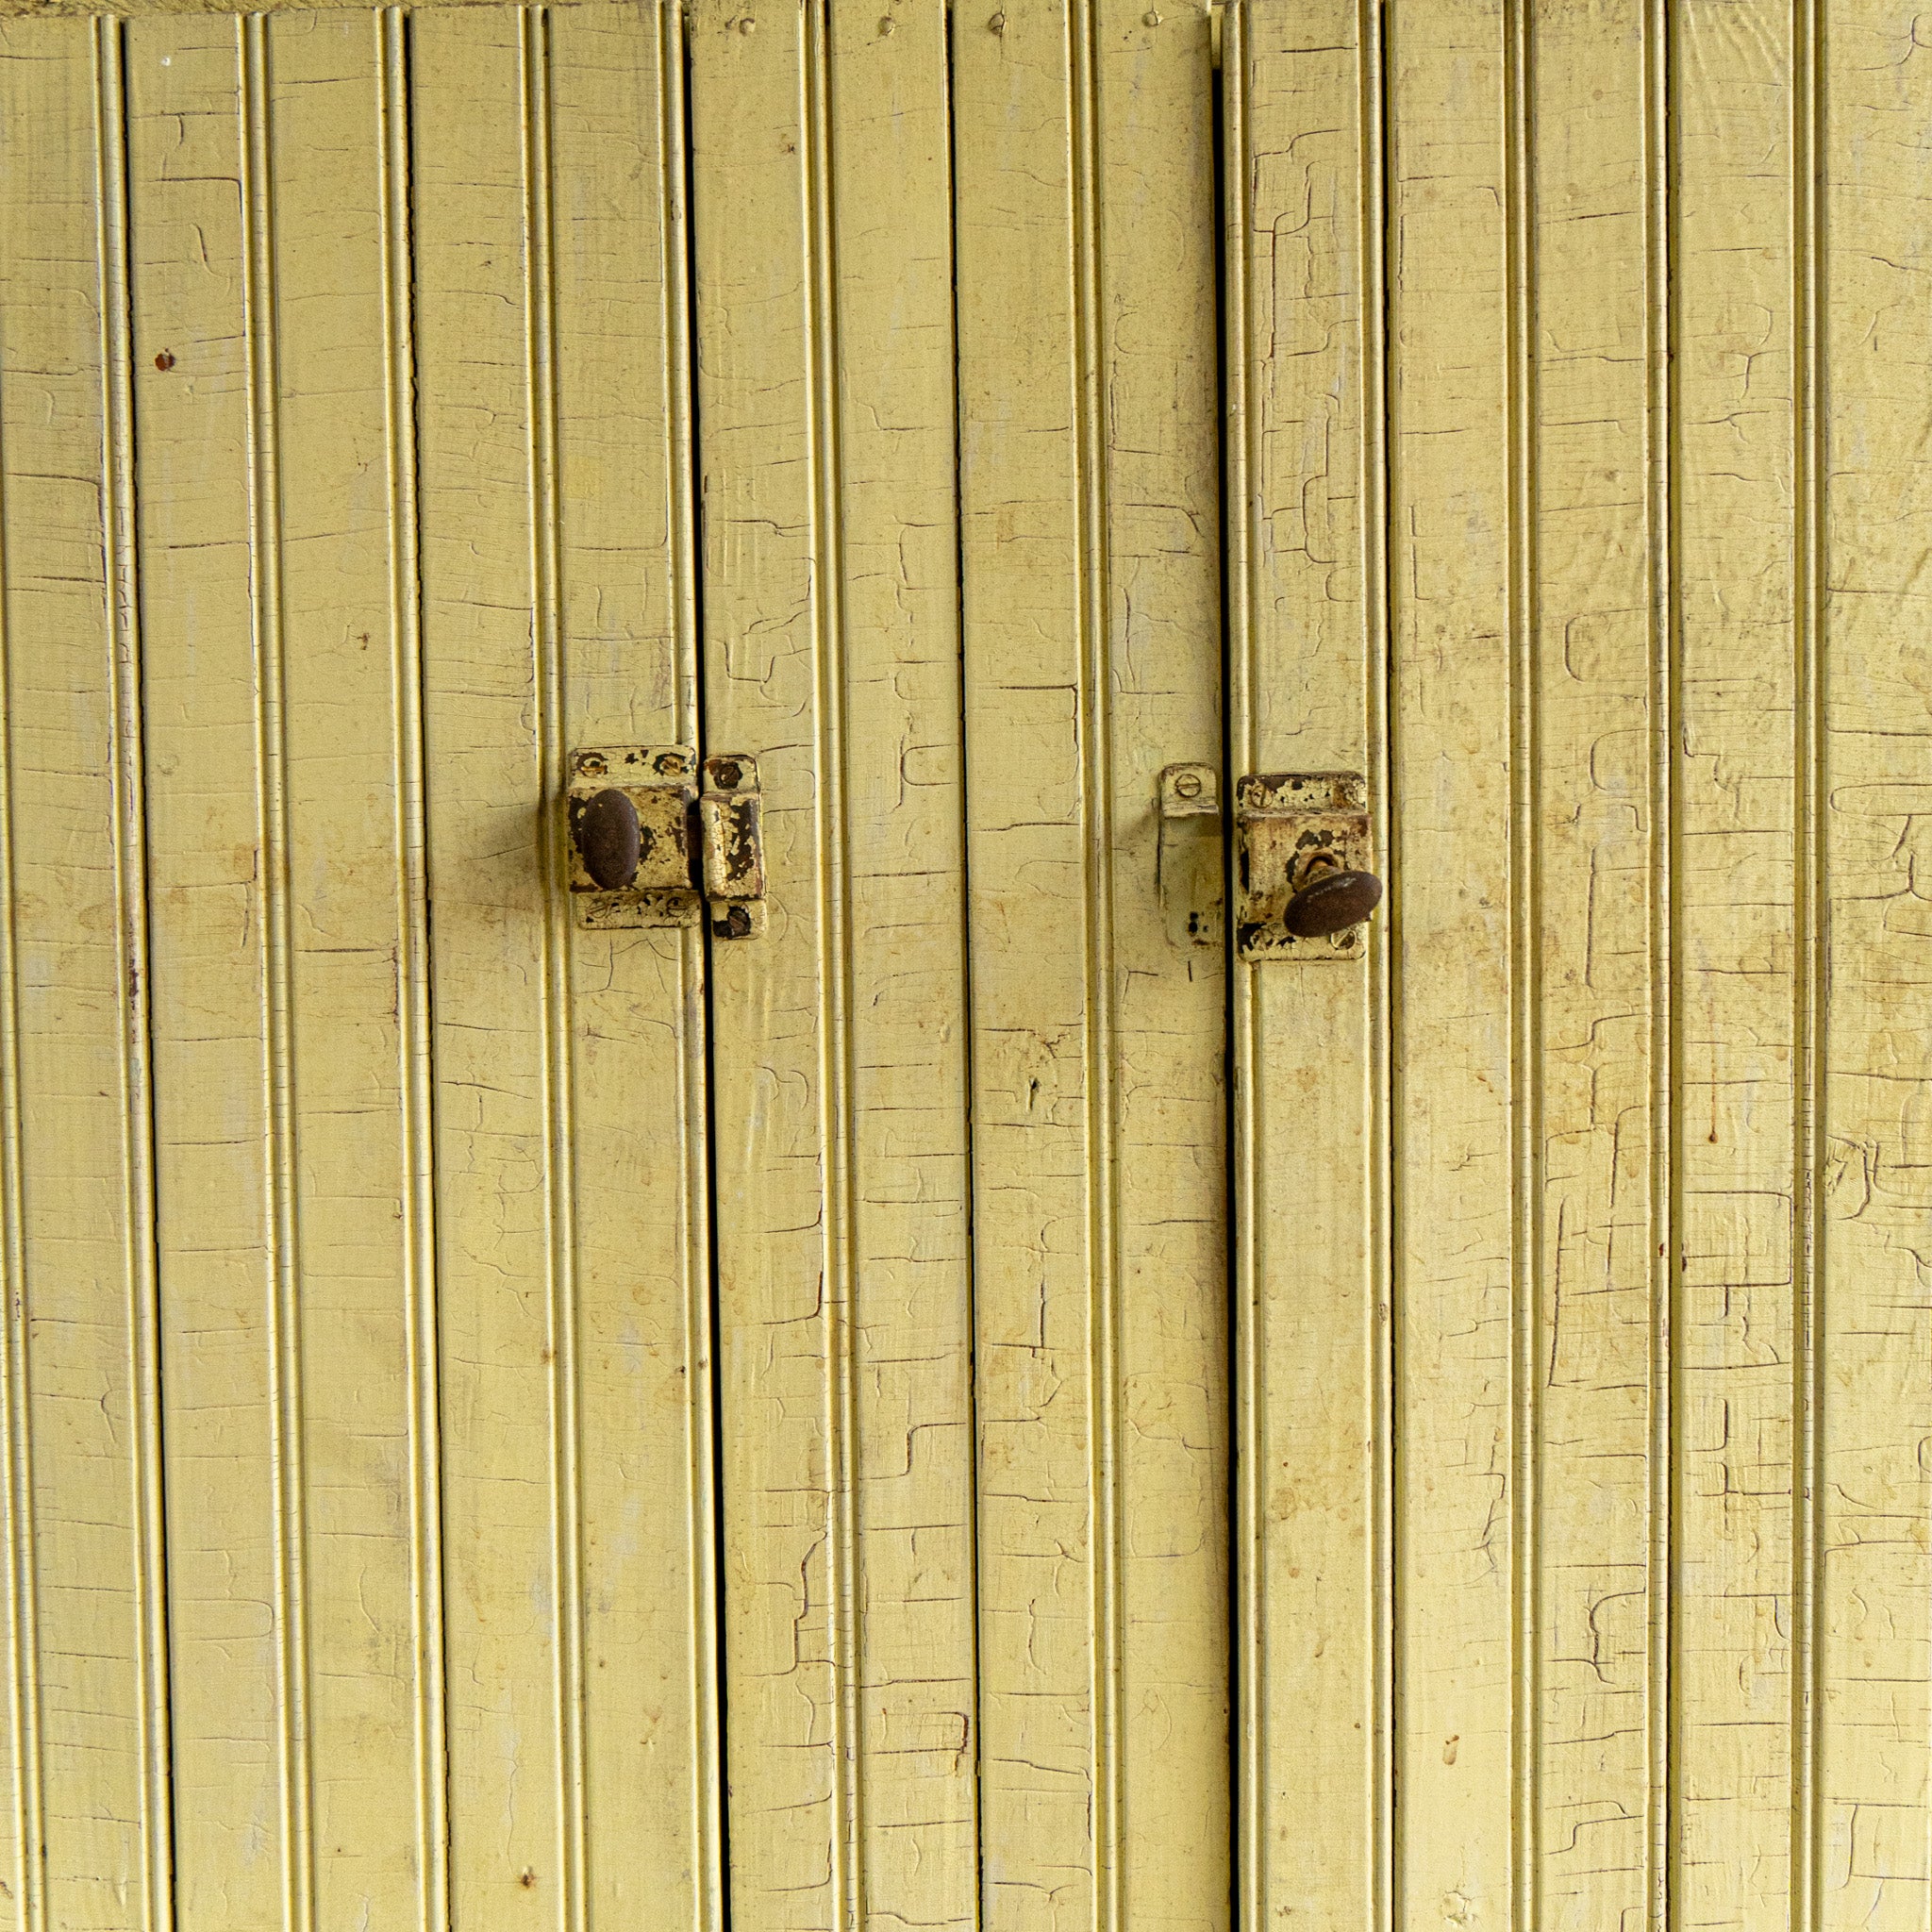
<point>318,290</point>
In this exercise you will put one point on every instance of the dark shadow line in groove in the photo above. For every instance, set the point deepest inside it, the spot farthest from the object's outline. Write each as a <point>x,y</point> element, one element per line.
<point>969,1172</point>
<point>707,1007</point>
<point>1526,1098</point>
<point>1224,215</point>
<point>1380,258</point>
<point>116,269</point>
<point>1810,989</point>
<point>836,992</point>
<point>398,31</point>
<point>705,1514</point>
<point>1663,532</point>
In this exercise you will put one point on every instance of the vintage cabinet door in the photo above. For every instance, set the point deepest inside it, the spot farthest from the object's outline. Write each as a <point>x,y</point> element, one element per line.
<point>970,1404</point>
<point>1575,362</point>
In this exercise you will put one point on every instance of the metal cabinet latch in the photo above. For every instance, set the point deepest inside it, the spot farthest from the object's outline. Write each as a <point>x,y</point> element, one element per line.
<point>1190,861</point>
<point>648,847</point>
<point>1301,878</point>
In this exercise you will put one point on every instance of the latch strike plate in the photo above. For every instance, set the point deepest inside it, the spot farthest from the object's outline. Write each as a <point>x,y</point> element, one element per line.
<point>734,859</point>
<point>1294,830</point>
<point>1191,868</point>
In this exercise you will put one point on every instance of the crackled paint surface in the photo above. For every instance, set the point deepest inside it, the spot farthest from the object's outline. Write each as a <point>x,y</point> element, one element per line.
<point>1436,1442</point>
<point>1585,1381</point>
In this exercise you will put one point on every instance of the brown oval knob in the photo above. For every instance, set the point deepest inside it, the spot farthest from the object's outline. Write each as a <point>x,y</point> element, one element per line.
<point>1333,902</point>
<point>609,840</point>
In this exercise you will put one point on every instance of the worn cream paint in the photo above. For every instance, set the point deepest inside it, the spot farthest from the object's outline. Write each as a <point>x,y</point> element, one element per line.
<point>376,418</point>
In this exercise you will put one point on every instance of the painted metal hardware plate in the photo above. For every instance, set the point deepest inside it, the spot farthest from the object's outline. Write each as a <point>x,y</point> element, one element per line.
<point>730,823</point>
<point>1192,874</point>
<point>1290,828</point>
<point>659,780</point>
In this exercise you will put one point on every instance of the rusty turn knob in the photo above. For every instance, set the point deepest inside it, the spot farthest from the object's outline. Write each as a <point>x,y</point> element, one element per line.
<point>1333,902</point>
<point>609,840</point>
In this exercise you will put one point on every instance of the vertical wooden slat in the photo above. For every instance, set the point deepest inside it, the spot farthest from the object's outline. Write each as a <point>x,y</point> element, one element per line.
<point>1809,989</point>
<point>490,672</point>
<point>773,650</point>
<point>320,265</point>
<point>911,1458</point>
<point>1866,415</point>
<point>650,1746</point>
<point>82,1834</point>
<point>1461,875</point>
<point>281,1151</point>
<point>1043,1297</point>
<point>215,773</point>
<point>548,723</point>
<point>1160,617</point>
<point>1663,1235</point>
<point>134,970</point>
<point>826,404</point>
<point>1306,605</point>
<point>1088,502</point>
<point>1596,1702</point>
<point>415,1031</point>
<point>1731,491</point>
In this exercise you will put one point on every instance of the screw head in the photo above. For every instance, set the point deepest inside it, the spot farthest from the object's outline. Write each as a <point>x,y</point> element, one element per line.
<point>734,926</point>
<point>1187,785</point>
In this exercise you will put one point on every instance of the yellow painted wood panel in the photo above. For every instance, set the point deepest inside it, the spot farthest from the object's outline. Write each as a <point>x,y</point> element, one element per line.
<point>1738,1360</point>
<point>88,1676</point>
<point>320,164</point>
<point>219,923</point>
<point>892,352</point>
<point>227,361</point>
<point>1865,1482</point>
<point>1089,584</point>
<point>1307,603</point>
<point>1593,998</point>
<point>782,1094</point>
<point>557,606</point>
<point>1655,475</point>
<point>628,639</point>
<point>380,1552</point>
<point>826,396</point>
<point>1457,693</point>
